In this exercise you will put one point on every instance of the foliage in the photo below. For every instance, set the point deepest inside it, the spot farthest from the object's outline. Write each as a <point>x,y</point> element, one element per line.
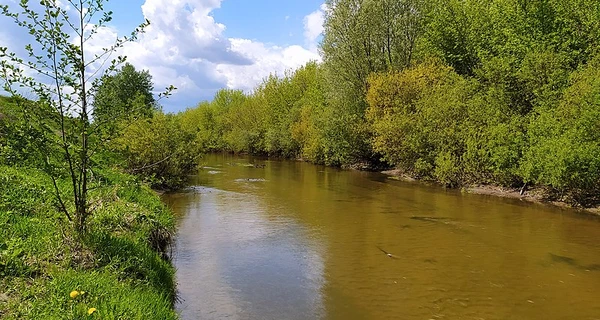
<point>125,94</point>
<point>206,123</point>
<point>466,34</point>
<point>435,124</point>
<point>411,128</point>
<point>53,178</point>
<point>159,150</point>
<point>60,114</point>
<point>243,119</point>
<point>565,141</point>
<point>15,140</point>
<point>457,92</point>
<point>360,38</point>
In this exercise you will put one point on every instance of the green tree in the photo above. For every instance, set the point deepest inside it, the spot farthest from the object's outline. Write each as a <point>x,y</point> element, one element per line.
<point>564,141</point>
<point>362,37</point>
<point>125,94</point>
<point>206,122</point>
<point>245,120</point>
<point>366,36</point>
<point>62,106</point>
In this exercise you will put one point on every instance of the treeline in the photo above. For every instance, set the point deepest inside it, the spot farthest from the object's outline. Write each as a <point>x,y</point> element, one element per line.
<point>460,92</point>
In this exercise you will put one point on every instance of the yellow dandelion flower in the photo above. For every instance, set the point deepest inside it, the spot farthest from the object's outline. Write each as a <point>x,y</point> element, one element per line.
<point>74,294</point>
<point>91,310</point>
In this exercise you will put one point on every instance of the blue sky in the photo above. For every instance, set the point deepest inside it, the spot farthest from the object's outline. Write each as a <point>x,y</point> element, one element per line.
<point>266,20</point>
<point>201,46</point>
<point>272,21</point>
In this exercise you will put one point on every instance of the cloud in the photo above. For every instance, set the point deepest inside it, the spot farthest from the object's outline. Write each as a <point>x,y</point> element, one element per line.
<point>313,25</point>
<point>266,60</point>
<point>184,46</point>
<point>187,30</point>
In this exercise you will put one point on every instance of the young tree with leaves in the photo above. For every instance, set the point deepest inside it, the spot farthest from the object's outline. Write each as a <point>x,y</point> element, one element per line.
<point>63,78</point>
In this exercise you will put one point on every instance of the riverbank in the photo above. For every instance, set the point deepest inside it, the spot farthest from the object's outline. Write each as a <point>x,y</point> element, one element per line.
<point>533,194</point>
<point>119,270</point>
<point>530,194</point>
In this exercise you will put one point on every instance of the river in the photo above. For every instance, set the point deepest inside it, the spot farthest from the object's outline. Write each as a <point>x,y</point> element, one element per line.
<point>261,239</point>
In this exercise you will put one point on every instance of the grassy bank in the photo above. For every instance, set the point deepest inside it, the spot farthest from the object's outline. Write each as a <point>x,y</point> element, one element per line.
<point>118,268</point>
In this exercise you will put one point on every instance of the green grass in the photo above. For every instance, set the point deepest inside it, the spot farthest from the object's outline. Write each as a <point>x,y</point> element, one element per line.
<point>119,264</point>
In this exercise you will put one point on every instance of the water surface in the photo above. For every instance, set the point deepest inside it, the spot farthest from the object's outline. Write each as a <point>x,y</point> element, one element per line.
<point>264,239</point>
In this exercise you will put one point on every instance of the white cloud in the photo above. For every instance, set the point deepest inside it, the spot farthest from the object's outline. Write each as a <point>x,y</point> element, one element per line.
<point>313,25</point>
<point>185,46</point>
<point>103,38</point>
<point>266,60</point>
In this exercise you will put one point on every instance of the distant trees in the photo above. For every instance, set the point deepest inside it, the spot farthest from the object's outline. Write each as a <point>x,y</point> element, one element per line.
<point>124,94</point>
<point>159,149</point>
<point>17,139</point>
<point>459,92</point>
<point>274,119</point>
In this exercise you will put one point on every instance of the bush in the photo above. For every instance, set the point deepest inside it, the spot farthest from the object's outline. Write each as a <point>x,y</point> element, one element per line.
<point>159,150</point>
<point>565,141</point>
<point>436,124</point>
<point>416,118</point>
<point>21,141</point>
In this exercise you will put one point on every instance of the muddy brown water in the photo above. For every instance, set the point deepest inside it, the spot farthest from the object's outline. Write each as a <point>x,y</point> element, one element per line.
<point>262,239</point>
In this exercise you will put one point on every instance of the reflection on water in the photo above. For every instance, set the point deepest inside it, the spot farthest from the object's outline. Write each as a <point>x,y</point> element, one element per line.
<point>235,262</point>
<point>288,240</point>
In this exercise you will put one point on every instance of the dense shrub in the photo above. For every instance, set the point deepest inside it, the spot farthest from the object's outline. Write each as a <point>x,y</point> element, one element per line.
<point>435,124</point>
<point>159,150</point>
<point>564,141</point>
<point>417,118</point>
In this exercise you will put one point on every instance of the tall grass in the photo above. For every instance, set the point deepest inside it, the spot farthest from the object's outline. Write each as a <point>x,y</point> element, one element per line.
<point>120,264</point>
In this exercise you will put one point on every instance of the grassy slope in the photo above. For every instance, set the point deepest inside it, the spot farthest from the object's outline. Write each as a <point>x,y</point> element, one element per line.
<point>118,264</point>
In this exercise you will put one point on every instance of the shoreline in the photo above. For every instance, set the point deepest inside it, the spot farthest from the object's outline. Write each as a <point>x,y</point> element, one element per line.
<point>533,195</point>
